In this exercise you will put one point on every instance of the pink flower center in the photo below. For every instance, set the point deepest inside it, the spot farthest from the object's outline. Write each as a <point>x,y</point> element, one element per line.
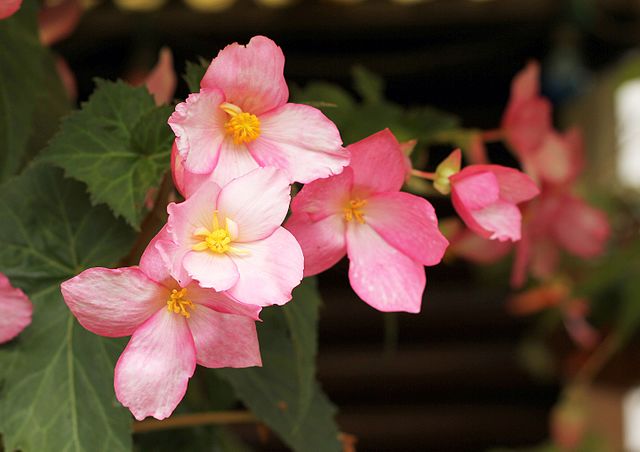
<point>354,210</point>
<point>217,239</point>
<point>242,126</point>
<point>178,304</point>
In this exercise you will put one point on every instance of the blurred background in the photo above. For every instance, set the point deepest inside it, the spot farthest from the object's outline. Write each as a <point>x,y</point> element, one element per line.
<point>464,375</point>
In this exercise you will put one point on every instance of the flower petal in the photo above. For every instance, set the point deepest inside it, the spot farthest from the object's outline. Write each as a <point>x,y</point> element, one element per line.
<point>224,340</point>
<point>324,197</point>
<point>251,76</point>
<point>198,125</point>
<point>408,223</point>
<point>269,271</point>
<point>9,7</point>
<point>581,229</point>
<point>323,242</point>
<point>152,263</point>
<point>195,212</point>
<point>113,302</point>
<point>257,202</point>
<point>378,163</point>
<point>16,310</point>
<point>152,373</point>
<point>235,161</point>
<point>220,302</point>
<point>300,140</point>
<point>474,190</point>
<point>211,270</point>
<point>382,276</point>
<point>162,80</point>
<point>500,220</point>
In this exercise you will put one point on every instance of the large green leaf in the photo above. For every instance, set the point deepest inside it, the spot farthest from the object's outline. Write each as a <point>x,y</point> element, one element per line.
<point>31,96</point>
<point>283,393</point>
<point>119,144</point>
<point>57,379</point>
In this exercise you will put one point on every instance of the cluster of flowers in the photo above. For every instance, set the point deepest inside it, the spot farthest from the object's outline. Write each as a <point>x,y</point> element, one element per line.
<point>223,254</point>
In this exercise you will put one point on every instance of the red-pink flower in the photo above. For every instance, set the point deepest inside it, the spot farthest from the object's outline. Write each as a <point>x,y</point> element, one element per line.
<point>16,310</point>
<point>172,327</point>
<point>230,239</point>
<point>486,198</point>
<point>527,118</point>
<point>240,120</point>
<point>9,8</point>
<point>388,235</point>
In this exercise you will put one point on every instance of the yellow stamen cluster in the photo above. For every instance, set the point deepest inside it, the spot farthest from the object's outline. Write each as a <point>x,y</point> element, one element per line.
<point>178,304</point>
<point>218,239</point>
<point>354,210</point>
<point>242,126</point>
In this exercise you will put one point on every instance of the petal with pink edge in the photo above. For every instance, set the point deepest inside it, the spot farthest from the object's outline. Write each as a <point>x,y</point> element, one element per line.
<point>384,277</point>
<point>251,76</point>
<point>162,80</point>
<point>323,242</point>
<point>324,197</point>
<point>113,302</point>
<point>152,263</point>
<point>235,161</point>
<point>257,202</point>
<point>224,340</point>
<point>184,180</point>
<point>300,140</point>
<point>500,221</point>
<point>269,270</point>
<point>195,212</point>
<point>475,189</point>
<point>152,373</point>
<point>378,163</point>
<point>408,223</point>
<point>211,270</point>
<point>199,127</point>
<point>172,256</point>
<point>16,310</point>
<point>220,302</point>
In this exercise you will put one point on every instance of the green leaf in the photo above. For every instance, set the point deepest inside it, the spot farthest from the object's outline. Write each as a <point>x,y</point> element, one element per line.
<point>32,98</point>
<point>331,99</point>
<point>119,144</point>
<point>194,73</point>
<point>370,86</point>
<point>57,383</point>
<point>278,393</point>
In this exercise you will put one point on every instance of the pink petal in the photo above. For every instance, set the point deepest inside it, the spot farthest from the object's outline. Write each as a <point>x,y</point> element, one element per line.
<point>474,248</point>
<point>269,270</point>
<point>173,255</point>
<point>500,220</point>
<point>515,186</point>
<point>408,223</point>
<point>324,197</point>
<point>67,78</point>
<point>191,214</point>
<point>251,76</point>
<point>235,161</point>
<point>220,302</point>
<point>381,275</point>
<point>16,310</point>
<point>544,259</point>
<point>162,80</point>
<point>378,163</point>
<point>57,22</point>
<point>152,263</point>
<point>300,140</point>
<point>152,373</point>
<point>322,242</point>
<point>211,270</point>
<point>198,125</point>
<point>559,160</point>
<point>526,83</point>
<point>474,189</point>
<point>184,180</point>
<point>113,302</point>
<point>9,8</point>
<point>224,340</point>
<point>581,229</point>
<point>257,202</point>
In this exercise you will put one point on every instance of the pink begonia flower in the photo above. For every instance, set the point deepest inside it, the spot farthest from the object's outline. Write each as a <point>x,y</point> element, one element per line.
<point>9,8</point>
<point>558,220</point>
<point>240,120</point>
<point>16,310</point>
<point>230,239</point>
<point>486,198</point>
<point>527,118</point>
<point>468,245</point>
<point>389,236</point>
<point>162,80</point>
<point>172,327</point>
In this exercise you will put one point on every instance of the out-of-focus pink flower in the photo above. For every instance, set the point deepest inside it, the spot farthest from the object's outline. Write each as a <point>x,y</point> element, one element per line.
<point>559,160</point>
<point>230,239</point>
<point>67,78</point>
<point>16,310</point>
<point>486,198</point>
<point>9,8</point>
<point>57,22</point>
<point>558,220</point>
<point>527,118</point>
<point>388,235</point>
<point>172,327</point>
<point>468,245</point>
<point>240,120</point>
<point>162,80</point>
